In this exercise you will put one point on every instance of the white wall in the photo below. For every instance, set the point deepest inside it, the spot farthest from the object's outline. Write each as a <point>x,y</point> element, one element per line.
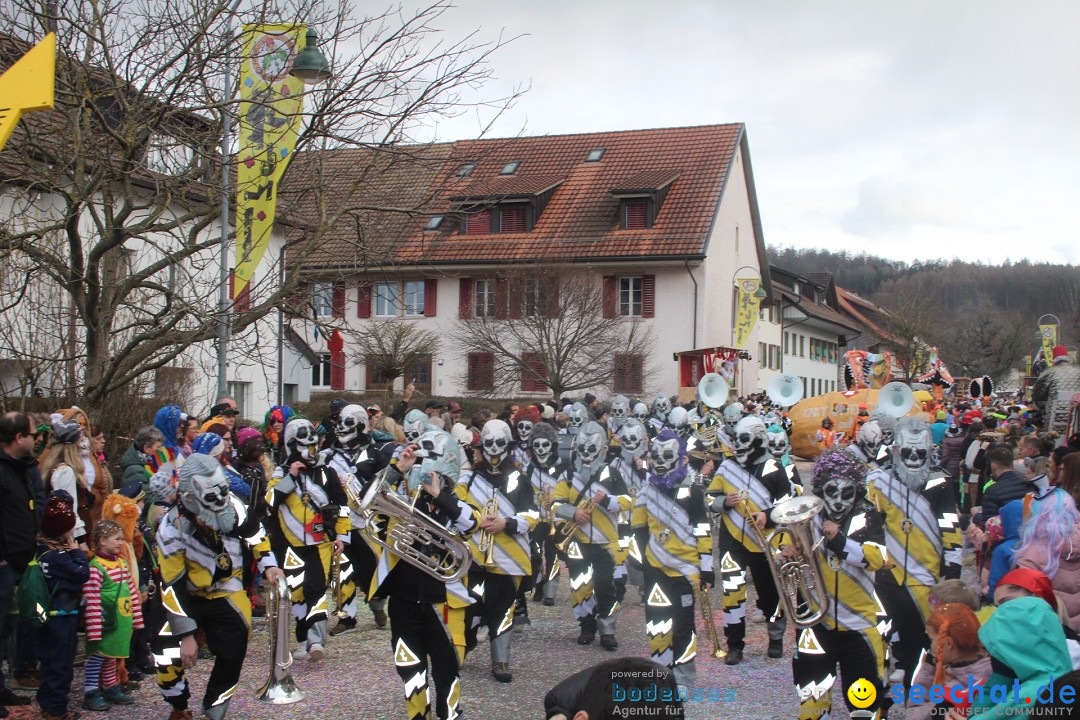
<point>825,374</point>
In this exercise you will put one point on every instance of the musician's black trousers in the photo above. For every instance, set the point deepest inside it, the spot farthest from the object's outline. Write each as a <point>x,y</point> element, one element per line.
<point>906,621</point>
<point>417,633</point>
<point>363,560</point>
<point>669,623</point>
<point>819,651</point>
<point>494,608</point>
<point>593,599</point>
<point>768,599</point>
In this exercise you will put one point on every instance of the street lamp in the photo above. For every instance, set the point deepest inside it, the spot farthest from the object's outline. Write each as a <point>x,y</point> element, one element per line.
<point>311,67</point>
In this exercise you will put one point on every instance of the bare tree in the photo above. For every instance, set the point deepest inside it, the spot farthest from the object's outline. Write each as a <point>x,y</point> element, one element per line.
<point>389,348</point>
<point>974,343</point>
<point>546,328</point>
<point>911,318</point>
<point>111,200</point>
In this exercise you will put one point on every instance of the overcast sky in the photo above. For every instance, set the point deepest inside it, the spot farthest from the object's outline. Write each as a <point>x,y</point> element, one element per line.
<point>914,129</point>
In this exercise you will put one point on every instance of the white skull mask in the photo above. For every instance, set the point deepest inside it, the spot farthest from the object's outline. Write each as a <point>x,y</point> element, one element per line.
<point>887,423</point>
<point>749,441</point>
<point>661,407</point>
<point>524,429</point>
<point>301,441</point>
<point>677,419</point>
<point>641,411</point>
<point>664,455</point>
<point>870,439</point>
<point>495,437</point>
<point>543,442</point>
<point>732,415</point>
<point>415,423</point>
<point>589,446</point>
<point>839,495</point>
<point>204,492</point>
<point>351,425</point>
<point>913,453</point>
<point>633,438</point>
<point>620,410</point>
<point>578,416</point>
<point>778,444</point>
<point>435,452</point>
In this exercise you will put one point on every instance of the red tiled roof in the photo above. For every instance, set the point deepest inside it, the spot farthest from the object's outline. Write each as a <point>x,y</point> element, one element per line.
<point>817,310</point>
<point>580,220</point>
<point>647,180</point>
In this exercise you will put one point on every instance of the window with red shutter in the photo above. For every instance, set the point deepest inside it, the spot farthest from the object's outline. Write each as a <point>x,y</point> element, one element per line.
<point>609,296</point>
<point>478,223</point>
<point>628,374</point>
<point>635,214</point>
<point>338,300</point>
<point>531,377</point>
<point>648,296</point>
<point>431,286</point>
<point>241,303</point>
<point>363,301</point>
<point>465,294</point>
<point>512,220</point>
<point>480,372</point>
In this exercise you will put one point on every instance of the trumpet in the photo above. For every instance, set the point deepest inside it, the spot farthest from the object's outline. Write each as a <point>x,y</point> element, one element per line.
<point>279,688</point>
<point>571,526</point>
<point>485,543</point>
<point>412,530</point>
<point>710,625</point>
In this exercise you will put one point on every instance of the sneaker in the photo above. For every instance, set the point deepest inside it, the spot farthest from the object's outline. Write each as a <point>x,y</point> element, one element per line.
<point>344,625</point>
<point>29,681</point>
<point>896,676</point>
<point>549,601</point>
<point>9,698</point>
<point>608,642</point>
<point>380,617</point>
<point>300,653</point>
<point>586,638</point>
<point>94,701</point>
<point>501,671</point>
<point>115,695</point>
<point>757,617</point>
<point>316,652</point>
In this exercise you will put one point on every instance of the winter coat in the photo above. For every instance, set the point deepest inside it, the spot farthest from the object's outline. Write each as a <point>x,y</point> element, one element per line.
<point>1066,581</point>
<point>954,675</point>
<point>65,573</point>
<point>1012,517</point>
<point>133,464</point>
<point>1010,485</point>
<point>1026,636</point>
<point>952,453</point>
<point>18,509</point>
<point>937,431</point>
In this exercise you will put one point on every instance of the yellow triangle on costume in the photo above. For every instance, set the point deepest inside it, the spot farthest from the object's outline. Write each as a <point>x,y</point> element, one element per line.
<point>728,564</point>
<point>574,552</point>
<point>292,560</point>
<point>657,598</point>
<point>171,602</point>
<point>403,655</point>
<point>808,643</point>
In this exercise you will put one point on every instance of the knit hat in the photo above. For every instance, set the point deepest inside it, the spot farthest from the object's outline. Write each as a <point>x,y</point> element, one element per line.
<point>549,412</point>
<point>970,416</point>
<point>1034,581</point>
<point>337,405</point>
<point>207,443</point>
<point>245,434</point>
<point>529,412</point>
<point>162,485</point>
<point>66,431</point>
<point>941,415</point>
<point>58,518</point>
<point>1059,351</point>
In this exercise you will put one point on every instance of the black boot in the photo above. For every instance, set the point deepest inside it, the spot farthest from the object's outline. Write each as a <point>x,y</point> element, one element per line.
<point>734,656</point>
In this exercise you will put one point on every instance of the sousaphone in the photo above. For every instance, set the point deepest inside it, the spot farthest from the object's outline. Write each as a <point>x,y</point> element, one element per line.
<point>785,390</point>
<point>712,391</point>
<point>895,399</point>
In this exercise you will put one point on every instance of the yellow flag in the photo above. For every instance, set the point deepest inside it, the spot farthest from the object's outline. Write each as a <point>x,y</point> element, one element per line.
<point>1049,340</point>
<point>270,107</point>
<point>746,310</point>
<point>27,85</point>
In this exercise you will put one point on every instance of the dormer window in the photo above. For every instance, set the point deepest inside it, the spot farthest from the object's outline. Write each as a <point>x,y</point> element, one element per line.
<point>510,168</point>
<point>635,214</point>
<point>641,196</point>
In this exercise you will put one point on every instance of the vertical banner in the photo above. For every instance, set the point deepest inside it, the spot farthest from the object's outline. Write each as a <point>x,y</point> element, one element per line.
<point>746,310</point>
<point>270,105</point>
<point>1049,340</point>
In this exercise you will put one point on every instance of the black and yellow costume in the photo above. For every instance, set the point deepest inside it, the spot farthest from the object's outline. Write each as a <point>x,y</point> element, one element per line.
<point>545,558</point>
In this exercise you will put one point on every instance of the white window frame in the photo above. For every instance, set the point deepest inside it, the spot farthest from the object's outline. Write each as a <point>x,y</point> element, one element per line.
<point>629,287</point>
<point>484,298</point>
<point>320,372</point>
<point>167,155</point>
<point>385,299</point>
<point>322,299</point>
<point>241,393</point>
<point>535,299</point>
<point>413,297</point>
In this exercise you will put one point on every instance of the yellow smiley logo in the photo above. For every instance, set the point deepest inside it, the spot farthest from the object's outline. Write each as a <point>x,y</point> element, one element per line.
<point>862,693</point>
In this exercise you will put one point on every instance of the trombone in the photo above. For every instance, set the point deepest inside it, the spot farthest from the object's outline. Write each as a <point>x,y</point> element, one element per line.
<point>710,624</point>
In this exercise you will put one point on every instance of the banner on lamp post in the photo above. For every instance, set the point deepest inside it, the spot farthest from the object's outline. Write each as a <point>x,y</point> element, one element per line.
<point>271,101</point>
<point>1049,340</point>
<point>746,310</point>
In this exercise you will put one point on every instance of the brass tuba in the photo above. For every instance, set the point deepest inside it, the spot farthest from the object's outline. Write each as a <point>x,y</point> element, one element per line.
<point>408,528</point>
<point>799,581</point>
<point>279,688</point>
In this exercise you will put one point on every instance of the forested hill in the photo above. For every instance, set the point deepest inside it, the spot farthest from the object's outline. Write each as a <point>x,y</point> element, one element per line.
<point>1026,288</point>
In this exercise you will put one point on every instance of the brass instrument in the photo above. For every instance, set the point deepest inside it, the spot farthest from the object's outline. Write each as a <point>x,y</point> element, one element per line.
<point>279,688</point>
<point>412,527</point>
<point>547,497</point>
<point>710,625</point>
<point>571,526</point>
<point>485,542</point>
<point>336,589</point>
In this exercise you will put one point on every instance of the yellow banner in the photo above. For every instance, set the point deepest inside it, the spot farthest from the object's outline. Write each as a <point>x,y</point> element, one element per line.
<point>746,310</point>
<point>1049,340</point>
<point>270,105</point>
<point>28,85</point>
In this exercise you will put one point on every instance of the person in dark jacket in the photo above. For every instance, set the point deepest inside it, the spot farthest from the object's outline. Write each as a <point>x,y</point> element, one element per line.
<point>18,518</point>
<point>1007,483</point>
<point>135,460</point>
<point>599,692</point>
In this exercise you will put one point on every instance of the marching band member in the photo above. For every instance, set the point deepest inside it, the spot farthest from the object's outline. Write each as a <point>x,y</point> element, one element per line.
<point>620,410</point>
<point>504,559</point>
<point>544,471</point>
<point>354,458</point>
<point>754,478</point>
<point>867,445</point>
<point>590,498</point>
<point>629,463</point>
<point>201,554</point>
<point>676,539</point>
<point>922,534</point>
<point>427,613</point>
<point>308,504</point>
<point>661,408</point>
<point>847,635</point>
<point>780,449</point>
<point>524,420</point>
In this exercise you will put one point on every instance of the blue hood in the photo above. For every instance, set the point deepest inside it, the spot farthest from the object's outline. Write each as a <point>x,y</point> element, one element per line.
<point>167,420</point>
<point>1012,517</point>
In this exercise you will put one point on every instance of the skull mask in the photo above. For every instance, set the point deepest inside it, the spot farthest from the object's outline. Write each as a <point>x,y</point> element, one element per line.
<point>589,448</point>
<point>302,442</point>
<point>495,437</point>
<point>676,419</point>
<point>578,416</point>
<point>839,496</point>
<point>778,442</point>
<point>870,438</point>
<point>912,455</point>
<point>750,441</point>
<point>641,411</point>
<point>543,442</point>
<point>620,410</point>
<point>415,423</point>
<point>524,429</point>
<point>351,428</point>
<point>661,407</point>
<point>887,423</point>
<point>204,493</point>
<point>665,455</point>
<point>732,415</point>
<point>839,479</point>
<point>436,452</point>
<point>633,439</point>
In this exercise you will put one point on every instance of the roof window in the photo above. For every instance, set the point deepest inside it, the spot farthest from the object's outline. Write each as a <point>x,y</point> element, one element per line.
<point>510,168</point>
<point>594,155</point>
<point>434,223</point>
<point>466,169</point>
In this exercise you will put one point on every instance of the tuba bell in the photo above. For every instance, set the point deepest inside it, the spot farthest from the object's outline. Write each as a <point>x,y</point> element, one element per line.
<point>895,399</point>
<point>407,528</point>
<point>785,390</point>
<point>799,581</point>
<point>279,688</point>
<point>712,391</point>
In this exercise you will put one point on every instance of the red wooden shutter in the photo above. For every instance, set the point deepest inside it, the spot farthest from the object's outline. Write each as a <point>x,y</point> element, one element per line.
<point>430,294</point>
<point>636,373</point>
<point>636,214</point>
<point>609,296</point>
<point>618,382</point>
<point>481,371</point>
<point>363,301</point>
<point>516,297</point>
<point>535,367</point>
<point>502,297</point>
<point>465,295</point>
<point>337,302</point>
<point>337,370</point>
<point>552,297</point>
<point>512,220</point>
<point>478,223</point>
<point>648,292</point>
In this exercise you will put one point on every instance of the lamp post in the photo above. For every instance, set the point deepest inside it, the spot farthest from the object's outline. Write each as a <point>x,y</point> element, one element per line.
<point>311,67</point>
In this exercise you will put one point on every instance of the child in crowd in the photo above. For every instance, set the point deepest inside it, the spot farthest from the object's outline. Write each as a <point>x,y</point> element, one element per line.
<point>955,654</point>
<point>112,611</point>
<point>65,568</point>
